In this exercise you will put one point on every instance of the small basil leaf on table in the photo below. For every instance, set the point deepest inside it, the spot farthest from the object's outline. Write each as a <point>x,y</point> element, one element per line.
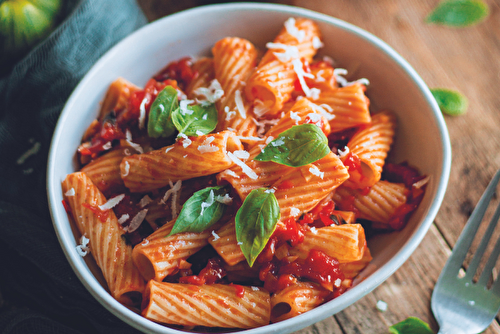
<point>459,13</point>
<point>297,146</point>
<point>412,325</point>
<point>201,211</point>
<point>196,120</point>
<point>160,115</point>
<point>255,222</point>
<point>450,101</point>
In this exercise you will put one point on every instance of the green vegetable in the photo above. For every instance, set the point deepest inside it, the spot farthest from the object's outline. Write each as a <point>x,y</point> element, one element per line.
<point>411,325</point>
<point>295,147</point>
<point>450,101</point>
<point>459,13</point>
<point>202,120</point>
<point>201,210</point>
<point>160,115</point>
<point>23,24</point>
<point>255,222</point>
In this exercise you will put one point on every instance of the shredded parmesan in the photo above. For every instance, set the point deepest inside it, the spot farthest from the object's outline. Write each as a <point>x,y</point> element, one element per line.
<point>199,133</point>
<point>344,152</point>
<point>317,43</point>
<point>339,72</point>
<point>269,139</point>
<point>290,51</point>
<point>173,189</point>
<point>319,76</point>
<point>315,171</point>
<point>112,202</point>
<point>329,60</point>
<point>292,29</point>
<point>242,154</point>
<point>247,170</point>
<point>142,112</point>
<point>136,221</point>
<point>123,218</point>
<point>206,146</point>
<point>261,125</point>
<point>315,118</point>
<point>260,109</point>
<point>421,183</point>
<point>32,151</point>
<point>321,109</point>
<point>295,116</point>
<point>137,147</point>
<point>315,93</point>
<point>126,152</point>
<point>70,192</point>
<point>186,141</point>
<point>204,117</point>
<point>249,138</point>
<point>169,148</point>
<point>107,146</point>
<point>226,199</point>
<point>233,174</point>
<point>127,168</point>
<point>299,70</point>
<point>239,104</point>
<point>183,107</point>
<point>145,242</point>
<point>216,236</point>
<point>278,142</point>
<point>208,203</point>
<point>230,114</point>
<point>270,191</point>
<point>145,201</point>
<point>294,212</point>
<point>212,94</point>
<point>239,243</point>
<point>381,305</point>
<point>313,230</point>
<point>82,249</point>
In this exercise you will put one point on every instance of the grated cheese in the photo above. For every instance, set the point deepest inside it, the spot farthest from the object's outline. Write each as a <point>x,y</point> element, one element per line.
<point>315,93</point>
<point>136,221</point>
<point>212,94</point>
<point>315,118</point>
<point>290,51</point>
<point>226,199</point>
<point>107,146</point>
<point>249,138</point>
<point>319,76</point>
<point>278,142</point>
<point>142,112</point>
<point>381,305</point>
<point>344,152</point>
<point>83,248</point>
<point>32,151</point>
<point>127,168</point>
<point>421,183</point>
<point>313,230</point>
<point>112,202</point>
<point>315,171</point>
<point>126,152</point>
<point>169,148</point>
<point>70,192</point>
<point>208,203</point>
<point>145,201</point>
<point>292,29</point>
<point>261,125</point>
<point>137,147</point>
<point>294,212</point>
<point>123,218</point>
<point>239,104</point>
<point>299,70</point>
<point>173,189</point>
<point>270,191</point>
<point>247,170</point>
<point>232,173</point>
<point>199,133</point>
<point>329,60</point>
<point>206,146</point>
<point>216,236</point>
<point>230,114</point>
<point>145,242</point>
<point>269,139</point>
<point>186,141</point>
<point>317,43</point>
<point>183,107</point>
<point>321,109</point>
<point>239,243</point>
<point>260,109</point>
<point>204,117</point>
<point>295,116</point>
<point>339,72</point>
<point>242,154</point>
<point>337,282</point>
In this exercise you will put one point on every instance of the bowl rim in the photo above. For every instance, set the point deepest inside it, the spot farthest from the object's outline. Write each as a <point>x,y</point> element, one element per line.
<point>319,313</point>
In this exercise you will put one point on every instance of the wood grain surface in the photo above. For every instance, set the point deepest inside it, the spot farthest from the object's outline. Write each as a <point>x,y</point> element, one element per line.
<point>465,59</point>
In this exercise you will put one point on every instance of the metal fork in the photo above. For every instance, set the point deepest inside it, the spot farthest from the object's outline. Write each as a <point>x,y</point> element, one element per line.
<point>460,305</point>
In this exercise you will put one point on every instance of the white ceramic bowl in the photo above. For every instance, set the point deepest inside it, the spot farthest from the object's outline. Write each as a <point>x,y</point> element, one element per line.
<point>422,138</point>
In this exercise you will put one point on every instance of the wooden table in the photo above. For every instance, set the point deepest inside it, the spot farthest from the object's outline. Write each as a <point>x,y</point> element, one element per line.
<point>466,59</point>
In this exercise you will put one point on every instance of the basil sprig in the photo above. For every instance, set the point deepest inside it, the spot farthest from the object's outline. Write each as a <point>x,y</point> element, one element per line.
<point>255,222</point>
<point>450,102</point>
<point>160,115</point>
<point>459,13</point>
<point>200,211</point>
<point>200,119</point>
<point>411,325</point>
<point>297,146</point>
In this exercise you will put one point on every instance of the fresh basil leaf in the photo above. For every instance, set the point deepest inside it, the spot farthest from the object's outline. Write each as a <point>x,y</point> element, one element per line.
<point>412,325</point>
<point>160,120</point>
<point>297,146</point>
<point>459,13</point>
<point>200,211</point>
<point>198,119</point>
<point>255,222</point>
<point>450,101</point>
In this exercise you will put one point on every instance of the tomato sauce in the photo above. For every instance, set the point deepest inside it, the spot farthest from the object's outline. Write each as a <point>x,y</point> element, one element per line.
<point>212,273</point>
<point>102,215</point>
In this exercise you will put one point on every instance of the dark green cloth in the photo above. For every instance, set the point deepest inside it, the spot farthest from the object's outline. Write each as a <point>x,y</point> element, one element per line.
<point>35,276</point>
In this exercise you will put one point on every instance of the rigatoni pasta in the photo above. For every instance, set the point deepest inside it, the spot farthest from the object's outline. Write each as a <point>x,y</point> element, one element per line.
<point>233,190</point>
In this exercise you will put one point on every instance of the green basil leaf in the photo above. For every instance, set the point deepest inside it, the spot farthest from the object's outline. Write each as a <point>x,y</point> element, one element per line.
<point>411,325</point>
<point>255,222</point>
<point>459,13</point>
<point>199,119</point>
<point>295,147</point>
<point>200,211</point>
<point>450,101</point>
<point>160,115</point>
